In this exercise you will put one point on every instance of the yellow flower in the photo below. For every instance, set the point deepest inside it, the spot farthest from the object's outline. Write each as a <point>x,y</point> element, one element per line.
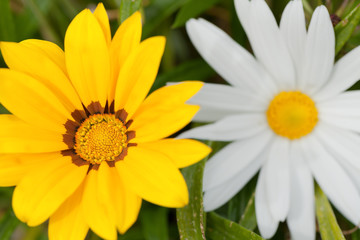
<point>85,145</point>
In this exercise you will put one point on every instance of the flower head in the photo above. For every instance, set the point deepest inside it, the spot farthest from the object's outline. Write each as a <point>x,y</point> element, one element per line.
<point>85,144</point>
<point>286,112</point>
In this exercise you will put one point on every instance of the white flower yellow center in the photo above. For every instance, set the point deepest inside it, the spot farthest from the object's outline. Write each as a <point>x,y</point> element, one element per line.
<point>100,137</point>
<point>292,114</point>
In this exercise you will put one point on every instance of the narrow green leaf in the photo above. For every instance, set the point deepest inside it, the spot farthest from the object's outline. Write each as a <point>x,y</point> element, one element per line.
<point>248,219</point>
<point>219,228</point>
<point>329,228</point>
<point>192,9</point>
<point>7,26</point>
<point>8,224</point>
<point>191,218</point>
<point>345,28</point>
<point>190,70</point>
<point>3,110</point>
<point>154,222</point>
<point>127,8</point>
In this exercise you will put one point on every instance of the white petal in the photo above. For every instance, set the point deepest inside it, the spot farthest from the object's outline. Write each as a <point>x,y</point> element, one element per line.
<point>346,122</point>
<point>343,144</point>
<point>354,173</point>
<point>293,29</point>
<point>232,159</point>
<point>218,196</point>
<point>234,127</point>
<point>344,104</point>
<point>319,52</point>
<point>223,99</point>
<point>301,217</point>
<point>332,179</point>
<point>345,73</point>
<point>209,114</point>
<point>228,58</point>
<point>342,111</point>
<point>242,8</point>
<point>278,179</point>
<point>269,46</point>
<point>266,222</point>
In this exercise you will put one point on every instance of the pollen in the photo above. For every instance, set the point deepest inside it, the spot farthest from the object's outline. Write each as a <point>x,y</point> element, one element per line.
<point>101,137</point>
<point>292,114</point>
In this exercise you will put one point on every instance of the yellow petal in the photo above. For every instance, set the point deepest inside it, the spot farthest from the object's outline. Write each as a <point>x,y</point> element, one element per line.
<point>31,101</point>
<point>154,124</point>
<point>183,152</point>
<point>87,58</point>
<point>53,51</point>
<point>13,167</point>
<point>170,96</point>
<point>163,112</point>
<point>121,205</point>
<point>154,177</point>
<point>138,74</point>
<point>41,192</point>
<point>34,62</point>
<point>126,40</point>
<point>94,209</point>
<point>68,223</point>
<point>16,136</point>
<point>103,19</point>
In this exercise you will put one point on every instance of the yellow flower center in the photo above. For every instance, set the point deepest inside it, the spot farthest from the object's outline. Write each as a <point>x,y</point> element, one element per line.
<point>292,114</point>
<point>100,137</point>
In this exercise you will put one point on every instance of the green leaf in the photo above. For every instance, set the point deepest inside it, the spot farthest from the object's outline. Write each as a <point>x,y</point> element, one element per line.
<point>192,9</point>
<point>329,228</point>
<point>127,8</point>
<point>190,70</point>
<point>8,224</point>
<point>191,218</point>
<point>248,219</point>
<point>154,222</point>
<point>3,110</point>
<point>220,228</point>
<point>345,28</point>
<point>158,12</point>
<point>7,26</point>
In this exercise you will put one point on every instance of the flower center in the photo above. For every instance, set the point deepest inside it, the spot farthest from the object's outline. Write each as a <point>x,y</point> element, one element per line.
<point>100,137</point>
<point>292,114</point>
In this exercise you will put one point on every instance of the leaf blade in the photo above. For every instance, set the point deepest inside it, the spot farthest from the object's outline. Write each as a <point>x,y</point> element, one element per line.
<point>329,228</point>
<point>220,228</point>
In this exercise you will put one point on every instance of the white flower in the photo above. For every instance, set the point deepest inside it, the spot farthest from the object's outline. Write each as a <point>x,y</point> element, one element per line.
<point>287,114</point>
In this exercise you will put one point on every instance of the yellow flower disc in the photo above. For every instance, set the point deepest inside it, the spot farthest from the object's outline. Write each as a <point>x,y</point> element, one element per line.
<point>100,137</point>
<point>292,114</point>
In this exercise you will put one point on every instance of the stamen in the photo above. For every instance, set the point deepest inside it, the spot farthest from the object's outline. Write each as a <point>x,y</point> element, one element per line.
<point>292,114</point>
<point>101,137</point>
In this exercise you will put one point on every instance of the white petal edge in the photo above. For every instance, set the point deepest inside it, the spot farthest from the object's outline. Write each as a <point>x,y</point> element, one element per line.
<point>293,29</point>
<point>233,158</point>
<point>230,128</point>
<point>346,73</point>
<point>231,61</point>
<point>319,52</point>
<point>266,222</point>
<point>277,177</point>
<point>332,179</point>
<point>301,217</point>
<point>269,45</point>
<point>218,196</point>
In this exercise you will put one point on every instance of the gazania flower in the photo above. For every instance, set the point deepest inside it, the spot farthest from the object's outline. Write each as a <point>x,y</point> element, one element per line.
<point>285,111</point>
<point>85,145</point>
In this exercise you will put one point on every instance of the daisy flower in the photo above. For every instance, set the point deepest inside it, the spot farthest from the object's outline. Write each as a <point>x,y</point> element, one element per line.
<point>85,144</point>
<point>286,114</point>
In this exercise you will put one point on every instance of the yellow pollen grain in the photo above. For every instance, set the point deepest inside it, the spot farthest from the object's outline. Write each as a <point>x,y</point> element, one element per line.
<point>101,137</point>
<point>292,114</point>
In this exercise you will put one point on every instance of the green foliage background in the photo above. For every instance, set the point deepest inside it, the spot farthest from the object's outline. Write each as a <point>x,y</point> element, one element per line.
<point>48,19</point>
